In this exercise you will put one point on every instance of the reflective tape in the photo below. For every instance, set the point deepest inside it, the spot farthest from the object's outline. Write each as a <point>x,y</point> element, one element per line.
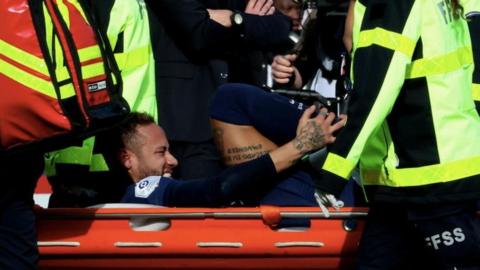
<point>388,39</point>
<point>440,64</point>
<point>24,58</point>
<point>89,53</point>
<point>476,91</point>
<point>425,175</point>
<point>338,165</point>
<point>135,58</point>
<point>28,80</point>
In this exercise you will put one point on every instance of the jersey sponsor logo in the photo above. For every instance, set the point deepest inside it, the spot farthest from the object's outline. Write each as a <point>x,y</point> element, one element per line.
<point>144,188</point>
<point>446,238</point>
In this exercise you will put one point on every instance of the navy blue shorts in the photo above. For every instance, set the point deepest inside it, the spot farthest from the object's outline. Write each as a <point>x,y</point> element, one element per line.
<point>274,116</point>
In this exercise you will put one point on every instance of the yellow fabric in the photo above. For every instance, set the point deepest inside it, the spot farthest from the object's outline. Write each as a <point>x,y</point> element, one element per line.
<point>64,11</point>
<point>476,91</point>
<point>134,58</point>
<point>98,164</point>
<point>440,64</point>
<point>79,9</point>
<point>452,115</point>
<point>76,155</point>
<point>93,70</point>
<point>387,39</point>
<point>67,91</point>
<point>419,176</point>
<point>27,79</point>
<point>338,165</point>
<point>38,64</point>
<point>24,58</point>
<point>137,71</point>
<point>89,53</point>
<point>136,63</point>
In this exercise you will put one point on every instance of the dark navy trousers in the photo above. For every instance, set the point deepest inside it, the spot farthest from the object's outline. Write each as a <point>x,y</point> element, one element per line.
<point>18,237</point>
<point>421,237</point>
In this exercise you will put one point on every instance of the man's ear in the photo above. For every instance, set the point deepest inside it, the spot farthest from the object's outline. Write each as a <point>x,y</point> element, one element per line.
<point>125,157</point>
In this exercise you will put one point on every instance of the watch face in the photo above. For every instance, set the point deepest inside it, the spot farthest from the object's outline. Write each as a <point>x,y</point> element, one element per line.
<point>238,18</point>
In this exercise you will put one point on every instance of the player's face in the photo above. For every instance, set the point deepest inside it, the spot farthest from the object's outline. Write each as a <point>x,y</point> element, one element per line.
<point>152,156</point>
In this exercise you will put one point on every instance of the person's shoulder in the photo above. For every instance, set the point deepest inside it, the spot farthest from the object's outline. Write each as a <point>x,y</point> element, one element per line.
<point>145,187</point>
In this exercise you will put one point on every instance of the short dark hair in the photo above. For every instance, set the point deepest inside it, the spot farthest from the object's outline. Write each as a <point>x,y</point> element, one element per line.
<point>124,134</point>
<point>128,128</point>
<point>111,142</point>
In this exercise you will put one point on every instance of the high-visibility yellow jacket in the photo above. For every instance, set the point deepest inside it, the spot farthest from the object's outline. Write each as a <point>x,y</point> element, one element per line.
<point>128,30</point>
<point>129,34</point>
<point>58,82</point>
<point>412,123</point>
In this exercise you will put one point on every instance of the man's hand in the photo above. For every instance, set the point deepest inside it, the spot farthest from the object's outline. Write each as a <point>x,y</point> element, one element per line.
<point>283,70</point>
<point>260,7</point>
<point>312,134</point>
<point>315,133</point>
<point>221,16</point>
<point>326,200</point>
<point>254,7</point>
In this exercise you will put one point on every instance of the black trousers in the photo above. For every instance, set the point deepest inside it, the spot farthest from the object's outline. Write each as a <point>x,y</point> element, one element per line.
<point>434,237</point>
<point>18,236</point>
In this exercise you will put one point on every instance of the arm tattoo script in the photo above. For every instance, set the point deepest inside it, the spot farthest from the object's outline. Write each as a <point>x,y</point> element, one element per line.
<point>311,137</point>
<point>218,138</point>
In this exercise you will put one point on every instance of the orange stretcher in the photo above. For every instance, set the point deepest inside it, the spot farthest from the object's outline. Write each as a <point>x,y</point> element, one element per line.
<point>124,237</point>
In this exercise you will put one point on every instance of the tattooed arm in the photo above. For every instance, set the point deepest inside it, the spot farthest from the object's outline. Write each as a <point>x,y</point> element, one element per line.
<point>312,134</point>
<point>252,178</point>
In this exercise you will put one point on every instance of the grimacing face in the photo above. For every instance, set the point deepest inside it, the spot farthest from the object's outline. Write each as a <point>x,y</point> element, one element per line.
<point>148,154</point>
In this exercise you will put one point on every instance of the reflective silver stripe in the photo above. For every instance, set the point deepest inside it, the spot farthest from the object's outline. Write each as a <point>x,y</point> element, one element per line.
<point>220,244</point>
<point>57,244</point>
<point>137,244</point>
<point>299,244</point>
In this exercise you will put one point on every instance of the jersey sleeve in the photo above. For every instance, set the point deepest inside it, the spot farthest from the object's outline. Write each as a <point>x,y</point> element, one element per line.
<point>150,190</point>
